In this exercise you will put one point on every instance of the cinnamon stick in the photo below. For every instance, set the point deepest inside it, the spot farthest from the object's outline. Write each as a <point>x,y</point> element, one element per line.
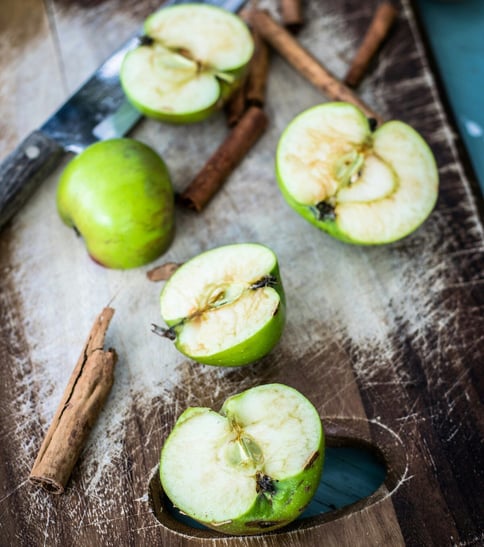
<point>380,25</point>
<point>304,62</point>
<point>253,90</point>
<point>163,272</point>
<point>230,153</point>
<point>83,398</point>
<point>291,12</point>
<point>237,105</point>
<point>259,70</point>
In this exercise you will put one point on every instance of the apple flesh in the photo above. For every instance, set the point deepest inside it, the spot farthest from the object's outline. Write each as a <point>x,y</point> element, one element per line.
<point>118,196</point>
<point>225,306</point>
<point>190,60</point>
<point>251,468</point>
<point>360,186</point>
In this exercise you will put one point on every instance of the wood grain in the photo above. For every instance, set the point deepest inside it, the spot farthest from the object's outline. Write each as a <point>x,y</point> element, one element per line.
<point>391,336</point>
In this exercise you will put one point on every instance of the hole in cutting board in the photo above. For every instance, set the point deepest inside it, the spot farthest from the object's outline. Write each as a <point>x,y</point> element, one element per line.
<point>350,474</point>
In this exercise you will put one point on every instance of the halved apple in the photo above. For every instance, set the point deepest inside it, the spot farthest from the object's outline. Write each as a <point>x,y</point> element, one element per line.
<point>360,186</point>
<point>190,60</point>
<point>225,306</point>
<point>251,468</point>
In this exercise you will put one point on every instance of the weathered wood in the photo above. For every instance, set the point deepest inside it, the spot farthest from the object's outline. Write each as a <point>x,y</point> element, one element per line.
<point>388,337</point>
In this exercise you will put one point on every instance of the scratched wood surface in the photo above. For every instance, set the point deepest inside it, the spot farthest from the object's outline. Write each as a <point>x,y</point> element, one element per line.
<point>387,342</point>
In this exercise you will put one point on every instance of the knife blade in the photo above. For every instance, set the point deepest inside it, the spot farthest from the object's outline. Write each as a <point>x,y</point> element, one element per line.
<point>98,110</point>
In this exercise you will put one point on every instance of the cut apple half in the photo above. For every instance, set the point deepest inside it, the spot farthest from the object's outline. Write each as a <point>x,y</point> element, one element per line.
<point>225,306</point>
<point>189,61</point>
<point>359,185</point>
<point>251,468</point>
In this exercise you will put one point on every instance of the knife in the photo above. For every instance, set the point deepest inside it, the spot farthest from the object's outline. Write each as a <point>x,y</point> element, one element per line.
<point>97,111</point>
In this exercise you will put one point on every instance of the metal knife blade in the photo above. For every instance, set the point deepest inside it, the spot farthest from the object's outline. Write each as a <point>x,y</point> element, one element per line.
<point>98,110</point>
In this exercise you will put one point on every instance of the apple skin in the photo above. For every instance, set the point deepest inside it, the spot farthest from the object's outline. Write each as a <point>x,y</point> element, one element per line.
<point>330,226</point>
<point>255,347</point>
<point>237,74</point>
<point>268,512</point>
<point>117,194</point>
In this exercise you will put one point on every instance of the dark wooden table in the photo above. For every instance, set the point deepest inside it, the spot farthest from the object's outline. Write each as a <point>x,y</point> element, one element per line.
<point>387,341</point>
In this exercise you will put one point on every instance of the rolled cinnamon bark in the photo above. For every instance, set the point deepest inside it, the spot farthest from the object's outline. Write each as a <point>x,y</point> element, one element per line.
<point>253,90</point>
<point>259,69</point>
<point>380,25</point>
<point>304,62</point>
<point>237,105</point>
<point>230,153</point>
<point>81,403</point>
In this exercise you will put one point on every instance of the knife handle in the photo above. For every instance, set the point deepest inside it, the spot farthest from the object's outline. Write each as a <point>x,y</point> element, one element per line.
<point>24,169</point>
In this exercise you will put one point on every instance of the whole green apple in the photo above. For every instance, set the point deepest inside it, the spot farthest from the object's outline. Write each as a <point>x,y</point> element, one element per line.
<point>191,59</point>
<point>249,469</point>
<point>225,306</point>
<point>359,185</point>
<point>118,196</point>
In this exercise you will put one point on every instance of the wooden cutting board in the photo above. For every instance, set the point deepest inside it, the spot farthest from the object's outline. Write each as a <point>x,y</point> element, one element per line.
<point>387,341</point>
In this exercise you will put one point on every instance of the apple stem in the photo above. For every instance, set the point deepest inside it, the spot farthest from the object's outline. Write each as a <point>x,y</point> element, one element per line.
<point>146,40</point>
<point>266,281</point>
<point>373,123</point>
<point>165,333</point>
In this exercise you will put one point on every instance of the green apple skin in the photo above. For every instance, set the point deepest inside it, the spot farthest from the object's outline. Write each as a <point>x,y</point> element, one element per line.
<point>330,226</point>
<point>255,347</point>
<point>272,511</point>
<point>118,196</point>
<point>236,76</point>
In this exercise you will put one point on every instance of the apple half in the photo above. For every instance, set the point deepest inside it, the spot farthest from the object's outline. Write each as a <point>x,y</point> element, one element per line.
<point>359,185</point>
<point>118,196</point>
<point>191,59</point>
<point>225,306</point>
<point>251,468</point>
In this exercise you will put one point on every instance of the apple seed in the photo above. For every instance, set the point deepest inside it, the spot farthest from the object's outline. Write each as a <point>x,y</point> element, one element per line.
<point>165,333</point>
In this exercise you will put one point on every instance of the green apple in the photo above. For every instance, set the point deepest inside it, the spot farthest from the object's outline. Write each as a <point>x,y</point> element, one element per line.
<point>191,59</point>
<point>118,196</point>
<point>251,468</point>
<point>359,185</point>
<point>225,306</point>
